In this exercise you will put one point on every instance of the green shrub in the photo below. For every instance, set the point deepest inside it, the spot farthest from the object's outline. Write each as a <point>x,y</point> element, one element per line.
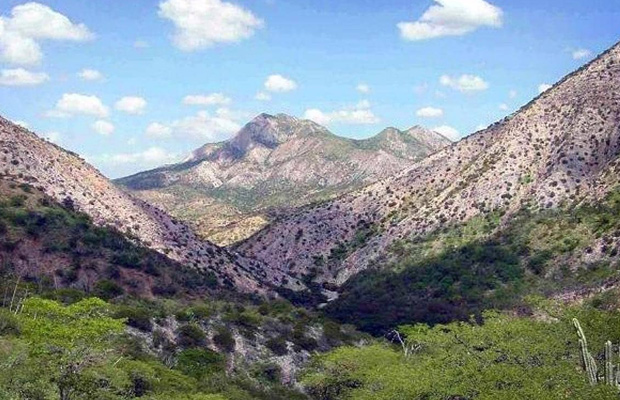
<point>199,362</point>
<point>108,290</point>
<point>224,339</point>
<point>190,336</point>
<point>277,345</point>
<point>139,318</point>
<point>9,325</point>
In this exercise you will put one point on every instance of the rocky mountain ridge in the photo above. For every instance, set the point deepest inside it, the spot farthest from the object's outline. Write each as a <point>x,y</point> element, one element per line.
<point>64,176</point>
<point>562,148</point>
<point>230,189</point>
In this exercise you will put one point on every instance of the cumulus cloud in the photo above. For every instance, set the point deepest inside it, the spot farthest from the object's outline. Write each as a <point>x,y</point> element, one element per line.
<point>363,88</point>
<point>22,77</point>
<point>153,156</point>
<point>448,131</point>
<point>580,54</point>
<point>23,124</point>
<point>104,128</point>
<point>279,83</point>
<point>202,23</point>
<point>78,104</point>
<point>452,18</point>
<point>52,136</point>
<point>262,96</point>
<point>429,112</point>
<point>360,114</point>
<point>131,105</point>
<point>203,126</point>
<point>464,83</point>
<point>543,87</point>
<point>158,131</point>
<point>503,107</point>
<point>31,23</point>
<point>90,75</point>
<point>512,94</point>
<point>207,100</point>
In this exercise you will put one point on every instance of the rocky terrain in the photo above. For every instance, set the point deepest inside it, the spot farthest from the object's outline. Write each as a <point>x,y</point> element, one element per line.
<point>232,189</point>
<point>66,178</point>
<point>559,150</point>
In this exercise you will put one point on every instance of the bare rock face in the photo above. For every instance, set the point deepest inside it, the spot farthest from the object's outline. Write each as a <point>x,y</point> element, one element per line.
<point>562,148</point>
<point>274,162</point>
<point>26,158</point>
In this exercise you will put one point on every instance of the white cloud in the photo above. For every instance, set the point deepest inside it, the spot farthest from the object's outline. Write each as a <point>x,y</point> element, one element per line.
<point>52,136</point>
<point>580,54</point>
<point>448,131</point>
<point>203,23</point>
<point>30,23</point>
<point>78,104</point>
<point>543,87</point>
<point>429,112</point>
<point>23,124</point>
<point>464,83</point>
<point>203,126</point>
<point>90,75</point>
<point>503,107</point>
<point>278,83</point>
<point>158,131</point>
<point>153,156</point>
<point>22,77</point>
<point>452,18</point>
<point>512,94</point>
<point>207,100</point>
<point>363,88</point>
<point>104,128</point>
<point>262,96</point>
<point>361,114</point>
<point>131,105</point>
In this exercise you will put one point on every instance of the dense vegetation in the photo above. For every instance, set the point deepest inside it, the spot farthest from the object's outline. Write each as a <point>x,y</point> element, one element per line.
<point>507,357</point>
<point>55,246</point>
<point>463,270</point>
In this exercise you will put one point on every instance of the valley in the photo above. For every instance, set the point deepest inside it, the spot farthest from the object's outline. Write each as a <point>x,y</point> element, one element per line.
<point>295,253</point>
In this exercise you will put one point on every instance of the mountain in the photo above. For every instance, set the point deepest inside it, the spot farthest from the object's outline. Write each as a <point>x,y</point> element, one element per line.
<point>557,153</point>
<point>68,179</point>
<point>232,189</point>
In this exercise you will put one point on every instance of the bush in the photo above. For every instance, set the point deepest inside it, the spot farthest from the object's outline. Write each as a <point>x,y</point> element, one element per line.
<point>138,318</point>
<point>200,362</point>
<point>108,290</point>
<point>9,325</point>
<point>191,336</point>
<point>277,345</point>
<point>224,339</point>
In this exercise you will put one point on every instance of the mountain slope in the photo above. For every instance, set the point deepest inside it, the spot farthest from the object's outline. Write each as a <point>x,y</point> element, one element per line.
<point>560,149</point>
<point>230,189</point>
<point>26,158</point>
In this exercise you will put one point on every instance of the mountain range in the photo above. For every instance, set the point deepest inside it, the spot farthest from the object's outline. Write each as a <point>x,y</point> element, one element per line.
<point>232,189</point>
<point>559,151</point>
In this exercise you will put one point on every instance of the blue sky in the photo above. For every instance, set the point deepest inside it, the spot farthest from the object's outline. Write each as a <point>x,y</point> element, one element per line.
<point>347,64</point>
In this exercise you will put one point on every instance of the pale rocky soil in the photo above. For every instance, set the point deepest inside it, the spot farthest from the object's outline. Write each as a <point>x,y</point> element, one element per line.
<point>562,148</point>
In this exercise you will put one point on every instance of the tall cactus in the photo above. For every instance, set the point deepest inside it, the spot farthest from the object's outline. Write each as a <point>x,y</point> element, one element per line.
<point>610,378</point>
<point>589,363</point>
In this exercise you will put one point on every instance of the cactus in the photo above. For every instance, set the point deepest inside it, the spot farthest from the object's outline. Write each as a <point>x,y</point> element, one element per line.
<point>609,366</point>
<point>612,372</point>
<point>589,363</point>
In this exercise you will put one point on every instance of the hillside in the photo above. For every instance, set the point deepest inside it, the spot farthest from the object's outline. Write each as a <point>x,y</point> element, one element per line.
<point>65,177</point>
<point>558,151</point>
<point>232,189</point>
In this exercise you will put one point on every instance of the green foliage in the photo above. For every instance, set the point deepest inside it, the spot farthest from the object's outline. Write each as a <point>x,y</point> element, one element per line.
<point>190,336</point>
<point>9,324</point>
<point>137,317</point>
<point>505,358</point>
<point>224,339</point>
<point>199,362</point>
